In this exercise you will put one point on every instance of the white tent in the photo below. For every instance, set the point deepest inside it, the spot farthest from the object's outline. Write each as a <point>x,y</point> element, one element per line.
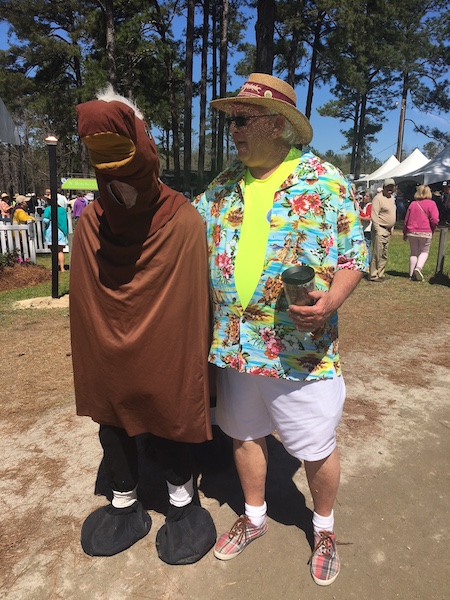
<point>379,173</point>
<point>416,160</point>
<point>437,169</point>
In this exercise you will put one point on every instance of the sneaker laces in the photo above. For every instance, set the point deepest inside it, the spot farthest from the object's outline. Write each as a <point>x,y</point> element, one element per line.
<point>239,529</point>
<point>325,545</point>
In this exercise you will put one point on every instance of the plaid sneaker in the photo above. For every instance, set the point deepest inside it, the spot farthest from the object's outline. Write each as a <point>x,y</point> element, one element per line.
<point>232,542</point>
<point>324,562</point>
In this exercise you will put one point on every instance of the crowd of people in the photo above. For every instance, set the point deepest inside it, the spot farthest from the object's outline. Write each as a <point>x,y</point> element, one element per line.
<point>273,365</point>
<point>20,209</point>
<point>28,204</point>
<point>33,204</point>
<point>420,216</point>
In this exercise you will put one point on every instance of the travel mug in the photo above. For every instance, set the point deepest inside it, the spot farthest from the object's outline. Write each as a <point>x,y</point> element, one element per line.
<point>297,282</point>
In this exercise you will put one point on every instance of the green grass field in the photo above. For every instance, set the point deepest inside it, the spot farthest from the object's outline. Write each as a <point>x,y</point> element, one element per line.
<point>398,262</point>
<point>397,269</point>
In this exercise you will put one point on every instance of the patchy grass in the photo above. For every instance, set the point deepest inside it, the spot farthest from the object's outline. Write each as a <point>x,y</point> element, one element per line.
<point>398,262</point>
<point>31,281</point>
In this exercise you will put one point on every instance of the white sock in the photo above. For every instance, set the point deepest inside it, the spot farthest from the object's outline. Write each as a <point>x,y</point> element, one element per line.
<point>124,499</point>
<point>181,495</point>
<point>323,523</point>
<point>256,514</point>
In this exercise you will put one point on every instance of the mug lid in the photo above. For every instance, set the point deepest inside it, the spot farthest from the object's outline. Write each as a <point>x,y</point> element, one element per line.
<point>298,275</point>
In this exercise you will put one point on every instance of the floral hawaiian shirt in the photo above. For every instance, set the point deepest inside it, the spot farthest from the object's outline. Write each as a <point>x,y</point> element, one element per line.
<point>314,221</point>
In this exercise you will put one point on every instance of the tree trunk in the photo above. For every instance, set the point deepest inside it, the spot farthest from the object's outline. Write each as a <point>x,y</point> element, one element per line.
<point>108,7</point>
<point>214,92</point>
<point>292,57</point>
<point>355,136</point>
<point>204,74</point>
<point>188,96</point>
<point>162,28</point>
<point>224,19</point>
<point>360,139</point>
<point>175,133</point>
<point>167,147</point>
<point>265,26</point>
<point>313,64</point>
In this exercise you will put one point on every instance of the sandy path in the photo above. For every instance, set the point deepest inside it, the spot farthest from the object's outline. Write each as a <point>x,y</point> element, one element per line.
<point>392,507</point>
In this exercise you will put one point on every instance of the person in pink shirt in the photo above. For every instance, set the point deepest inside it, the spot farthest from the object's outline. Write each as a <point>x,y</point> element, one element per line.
<point>5,207</point>
<point>420,221</point>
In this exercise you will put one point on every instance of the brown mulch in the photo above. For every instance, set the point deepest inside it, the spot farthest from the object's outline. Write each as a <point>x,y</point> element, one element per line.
<point>21,276</point>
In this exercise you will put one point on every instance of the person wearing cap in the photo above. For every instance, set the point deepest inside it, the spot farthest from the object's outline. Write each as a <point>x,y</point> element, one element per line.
<point>278,367</point>
<point>384,214</point>
<point>21,216</point>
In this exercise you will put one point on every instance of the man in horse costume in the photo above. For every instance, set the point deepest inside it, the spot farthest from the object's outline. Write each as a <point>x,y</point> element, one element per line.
<point>139,312</point>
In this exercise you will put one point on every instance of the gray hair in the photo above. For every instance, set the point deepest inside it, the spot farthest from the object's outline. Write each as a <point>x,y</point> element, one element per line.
<point>288,134</point>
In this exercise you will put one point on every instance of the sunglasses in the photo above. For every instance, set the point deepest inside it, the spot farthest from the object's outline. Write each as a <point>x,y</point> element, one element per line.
<point>241,120</point>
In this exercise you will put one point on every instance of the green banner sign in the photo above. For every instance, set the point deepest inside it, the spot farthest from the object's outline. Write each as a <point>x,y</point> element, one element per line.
<point>79,184</point>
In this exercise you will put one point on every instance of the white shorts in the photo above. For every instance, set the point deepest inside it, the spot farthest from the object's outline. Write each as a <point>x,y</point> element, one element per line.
<point>304,413</point>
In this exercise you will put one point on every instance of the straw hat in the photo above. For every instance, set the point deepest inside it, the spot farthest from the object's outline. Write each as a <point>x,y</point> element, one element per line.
<point>269,91</point>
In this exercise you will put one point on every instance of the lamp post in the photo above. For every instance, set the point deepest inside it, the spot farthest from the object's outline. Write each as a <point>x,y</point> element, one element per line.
<point>52,142</point>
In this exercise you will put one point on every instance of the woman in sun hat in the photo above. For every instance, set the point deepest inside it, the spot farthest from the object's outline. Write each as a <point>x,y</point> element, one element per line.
<point>278,366</point>
<point>5,207</point>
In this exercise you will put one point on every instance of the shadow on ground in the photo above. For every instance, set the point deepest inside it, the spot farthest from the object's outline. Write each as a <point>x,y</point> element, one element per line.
<point>286,503</point>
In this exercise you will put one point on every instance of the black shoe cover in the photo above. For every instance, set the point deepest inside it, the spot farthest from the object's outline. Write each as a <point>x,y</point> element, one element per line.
<point>188,534</point>
<point>108,530</point>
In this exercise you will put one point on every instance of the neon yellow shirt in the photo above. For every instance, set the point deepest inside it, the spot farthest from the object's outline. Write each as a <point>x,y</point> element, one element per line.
<point>258,202</point>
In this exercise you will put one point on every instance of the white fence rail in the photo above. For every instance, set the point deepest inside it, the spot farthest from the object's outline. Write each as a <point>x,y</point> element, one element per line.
<point>27,239</point>
<point>19,237</point>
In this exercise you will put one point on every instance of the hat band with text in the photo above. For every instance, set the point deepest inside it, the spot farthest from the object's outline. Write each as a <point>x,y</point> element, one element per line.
<point>258,90</point>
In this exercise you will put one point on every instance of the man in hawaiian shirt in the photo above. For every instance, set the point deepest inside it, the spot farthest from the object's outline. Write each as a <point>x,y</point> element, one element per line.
<point>279,367</point>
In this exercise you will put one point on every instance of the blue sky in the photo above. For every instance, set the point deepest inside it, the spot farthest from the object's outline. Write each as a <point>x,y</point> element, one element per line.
<point>327,134</point>
<point>327,131</point>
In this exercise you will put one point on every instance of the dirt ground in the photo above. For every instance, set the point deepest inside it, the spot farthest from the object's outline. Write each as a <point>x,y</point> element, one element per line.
<point>392,513</point>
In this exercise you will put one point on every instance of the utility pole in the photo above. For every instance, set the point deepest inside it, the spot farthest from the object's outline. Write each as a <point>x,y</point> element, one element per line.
<point>401,129</point>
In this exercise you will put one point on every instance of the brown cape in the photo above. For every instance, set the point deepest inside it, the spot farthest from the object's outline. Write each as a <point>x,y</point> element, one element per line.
<point>139,299</point>
<point>140,343</point>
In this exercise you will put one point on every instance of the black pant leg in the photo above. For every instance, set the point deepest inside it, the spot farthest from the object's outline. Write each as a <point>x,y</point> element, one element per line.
<point>119,458</point>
